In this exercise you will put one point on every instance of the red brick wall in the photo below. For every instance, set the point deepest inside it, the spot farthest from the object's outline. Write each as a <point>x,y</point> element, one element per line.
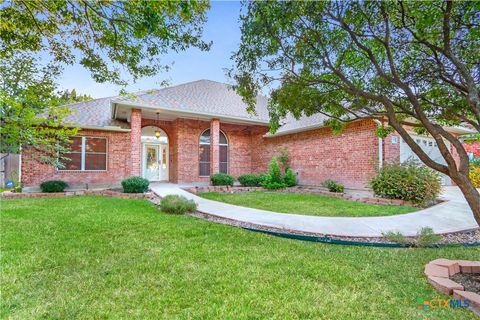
<point>391,150</point>
<point>118,164</point>
<point>317,155</point>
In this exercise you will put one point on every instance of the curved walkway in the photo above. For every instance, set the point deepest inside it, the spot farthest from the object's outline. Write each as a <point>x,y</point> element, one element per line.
<point>451,216</point>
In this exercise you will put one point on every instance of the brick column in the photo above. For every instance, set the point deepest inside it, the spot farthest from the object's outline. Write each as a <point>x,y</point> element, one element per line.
<point>214,147</point>
<point>135,142</point>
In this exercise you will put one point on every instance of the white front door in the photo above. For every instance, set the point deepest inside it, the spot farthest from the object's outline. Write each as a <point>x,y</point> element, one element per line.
<point>155,162</point>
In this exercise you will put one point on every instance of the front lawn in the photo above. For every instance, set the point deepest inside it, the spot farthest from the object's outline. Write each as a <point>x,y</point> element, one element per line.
<point>97,258</point>
<point>307,204</point>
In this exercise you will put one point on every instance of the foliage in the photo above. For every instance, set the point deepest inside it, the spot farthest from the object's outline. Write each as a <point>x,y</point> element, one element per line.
<point>406,63</point>
<point>53,186</point>
<point>67,97</point>
<point>283,157</point>
<point>221,179</point>
<point>425,237</point>
<point>290,178</point>
<point>176,204</point>
<point>135,185</point>
<point>410,181</point>
<point>106,35</point>
<point>250,180</point>
<point>475,175</point>
<point>333,186</point>
<point>475,162</point>
<point>273,179</point>
<point>29,116</point>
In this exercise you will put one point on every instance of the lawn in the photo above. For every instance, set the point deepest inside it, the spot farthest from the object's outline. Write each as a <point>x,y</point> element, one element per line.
<point>307,204</point>
<point>93,257</point>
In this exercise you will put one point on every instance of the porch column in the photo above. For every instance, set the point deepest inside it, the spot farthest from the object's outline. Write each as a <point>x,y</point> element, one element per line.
<point>214,147</point>
<point>135,142</point>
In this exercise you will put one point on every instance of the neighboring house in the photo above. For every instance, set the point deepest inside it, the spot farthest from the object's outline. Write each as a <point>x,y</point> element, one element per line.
<point>185,133</point>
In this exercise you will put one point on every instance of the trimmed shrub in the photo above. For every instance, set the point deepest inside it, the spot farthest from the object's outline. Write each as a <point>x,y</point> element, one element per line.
<point>290,178</point>
<point>270,183</point>
<point>135,185</point>
<point>474,175</point>
<point>176,204</point>
<point>53,186</point>
<point>250,180</point>
<point>333,186</point>
<point>221,179</point>
<point>409,181</point>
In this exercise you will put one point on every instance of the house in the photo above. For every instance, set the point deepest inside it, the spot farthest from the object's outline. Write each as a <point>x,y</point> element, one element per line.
<point>185,133</point>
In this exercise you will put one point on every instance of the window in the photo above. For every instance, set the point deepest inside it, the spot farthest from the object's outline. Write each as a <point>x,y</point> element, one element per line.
<point>204,166</point>
<point>87,154</point>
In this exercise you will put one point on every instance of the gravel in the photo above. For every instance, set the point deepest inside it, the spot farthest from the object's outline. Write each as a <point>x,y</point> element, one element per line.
<point>471,281</point>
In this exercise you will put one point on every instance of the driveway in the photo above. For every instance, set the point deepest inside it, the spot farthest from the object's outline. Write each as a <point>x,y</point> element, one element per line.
<point>451,216</point>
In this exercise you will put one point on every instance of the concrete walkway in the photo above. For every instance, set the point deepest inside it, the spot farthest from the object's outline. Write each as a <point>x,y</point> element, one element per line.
<point>451,216</point>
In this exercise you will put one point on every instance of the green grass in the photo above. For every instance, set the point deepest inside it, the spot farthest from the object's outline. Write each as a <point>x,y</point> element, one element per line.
<point>307,204</point>
<point>93,257</point>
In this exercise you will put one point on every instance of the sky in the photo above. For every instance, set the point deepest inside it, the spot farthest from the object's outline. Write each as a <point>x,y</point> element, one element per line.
<point>222,27</point>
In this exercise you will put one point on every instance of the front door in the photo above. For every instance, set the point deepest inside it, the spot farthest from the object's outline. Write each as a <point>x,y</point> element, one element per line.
<point>155,162</point>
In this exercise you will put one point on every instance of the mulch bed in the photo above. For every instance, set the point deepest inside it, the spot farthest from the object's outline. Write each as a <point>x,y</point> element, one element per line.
<point>470,281</point>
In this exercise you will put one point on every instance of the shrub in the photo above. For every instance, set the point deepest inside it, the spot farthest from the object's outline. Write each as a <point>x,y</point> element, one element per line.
<point>425,237</point>
<point>135,185</point>
<point>290,178</point>
<point>176,204</point>
<point>474,175</point>
<point>270,183</point>
<point>221,179</point>
<point>475,162</point>
<point>250,180</point>
<point>333,186</point>
<point>53,186</point>
<point>410,181</point>
<point>274,171</point>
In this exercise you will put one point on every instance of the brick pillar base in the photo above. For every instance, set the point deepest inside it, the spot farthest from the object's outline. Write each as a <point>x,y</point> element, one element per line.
<point>214,147</point>
<point>136,142</point>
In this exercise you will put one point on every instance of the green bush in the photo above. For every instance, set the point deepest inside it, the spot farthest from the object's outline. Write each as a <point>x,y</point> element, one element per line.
<point>274,171</point>
<point>270,183</point>
<point>53,186</point>
<point>221,179</point>
<point>425,238</point>
<point>333,186</point>
<point>250,180</point>
<point>410,181</point>
<point>135,185</point>
<point>290,178</point>
<point>176,204</point>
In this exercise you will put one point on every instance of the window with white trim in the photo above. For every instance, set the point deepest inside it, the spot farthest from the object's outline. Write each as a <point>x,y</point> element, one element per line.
<point>204,158</point>
<point>87,154</point>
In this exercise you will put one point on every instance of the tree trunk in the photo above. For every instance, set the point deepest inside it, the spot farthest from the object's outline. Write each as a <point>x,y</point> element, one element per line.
<point>472,196</point>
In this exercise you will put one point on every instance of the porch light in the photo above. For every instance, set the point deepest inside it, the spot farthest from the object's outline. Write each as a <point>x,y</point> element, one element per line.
<point>158,133</point>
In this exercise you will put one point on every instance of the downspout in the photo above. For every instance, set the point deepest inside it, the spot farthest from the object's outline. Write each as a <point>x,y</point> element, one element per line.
<point>380,146</point>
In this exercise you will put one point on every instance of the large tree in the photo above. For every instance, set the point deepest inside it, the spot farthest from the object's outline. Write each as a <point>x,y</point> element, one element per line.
<point>395,61</point>
<point>117,41</point>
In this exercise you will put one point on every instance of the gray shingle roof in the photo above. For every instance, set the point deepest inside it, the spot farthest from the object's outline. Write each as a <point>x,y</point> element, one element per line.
<point>202,96</point>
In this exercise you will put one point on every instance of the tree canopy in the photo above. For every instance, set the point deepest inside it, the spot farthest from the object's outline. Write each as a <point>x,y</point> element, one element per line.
<point>395,61</point>
<point>103,35</point>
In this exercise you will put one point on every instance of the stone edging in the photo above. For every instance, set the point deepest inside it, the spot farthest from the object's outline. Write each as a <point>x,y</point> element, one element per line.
<point>106,193</point>
<point>440,271</point>
<point>369,200</point>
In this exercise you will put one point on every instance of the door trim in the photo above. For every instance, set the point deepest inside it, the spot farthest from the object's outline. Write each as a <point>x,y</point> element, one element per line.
<point>144,160</point>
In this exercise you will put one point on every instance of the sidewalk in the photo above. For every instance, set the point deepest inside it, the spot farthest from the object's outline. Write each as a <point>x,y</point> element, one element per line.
<point>451,216</point>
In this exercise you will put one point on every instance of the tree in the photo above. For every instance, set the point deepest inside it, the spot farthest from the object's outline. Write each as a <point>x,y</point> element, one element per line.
<point>29,112</point>
<point>106,35</point>
<point>67,97</point>
<point>103,36</point>
<point>398,62</point>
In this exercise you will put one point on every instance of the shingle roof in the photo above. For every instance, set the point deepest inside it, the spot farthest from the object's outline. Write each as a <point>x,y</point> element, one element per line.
<point>202,96</point>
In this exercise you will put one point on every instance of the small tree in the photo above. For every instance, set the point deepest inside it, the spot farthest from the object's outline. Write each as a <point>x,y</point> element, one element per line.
<point>283,157</point>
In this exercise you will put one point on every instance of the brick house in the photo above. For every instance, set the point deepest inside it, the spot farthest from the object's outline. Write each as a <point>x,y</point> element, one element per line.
<point>185,133</point>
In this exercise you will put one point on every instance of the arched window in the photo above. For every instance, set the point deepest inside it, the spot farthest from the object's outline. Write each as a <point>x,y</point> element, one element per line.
<point>205,153</point>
